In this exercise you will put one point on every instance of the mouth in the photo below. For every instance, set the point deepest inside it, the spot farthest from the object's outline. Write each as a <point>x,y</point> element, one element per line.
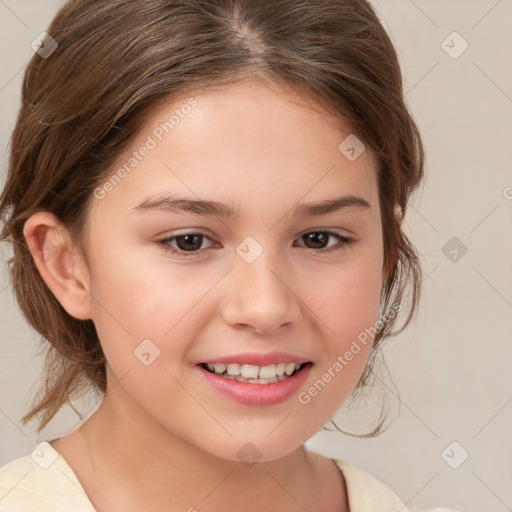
<point>253,374</point>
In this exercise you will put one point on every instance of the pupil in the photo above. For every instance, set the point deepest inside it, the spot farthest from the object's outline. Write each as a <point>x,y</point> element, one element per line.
<point>315,236</point>
<point>189,240</point>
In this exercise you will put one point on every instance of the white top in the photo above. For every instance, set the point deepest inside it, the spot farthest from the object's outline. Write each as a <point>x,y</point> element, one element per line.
<point>44,482</point>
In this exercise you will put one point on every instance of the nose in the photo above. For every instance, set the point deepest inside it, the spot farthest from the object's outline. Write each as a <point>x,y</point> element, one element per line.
<point>259,295</point>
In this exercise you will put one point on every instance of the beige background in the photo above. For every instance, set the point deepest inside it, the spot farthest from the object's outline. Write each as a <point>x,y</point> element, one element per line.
<point>452,367</point>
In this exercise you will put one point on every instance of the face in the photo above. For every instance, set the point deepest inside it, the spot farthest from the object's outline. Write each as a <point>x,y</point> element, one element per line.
<point>260,281</point>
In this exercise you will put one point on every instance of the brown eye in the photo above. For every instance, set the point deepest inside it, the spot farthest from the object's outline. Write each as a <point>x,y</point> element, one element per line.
<point>191,242</point>
<point>320,239</point>
<point>317,239</point>
<point>187,245</point>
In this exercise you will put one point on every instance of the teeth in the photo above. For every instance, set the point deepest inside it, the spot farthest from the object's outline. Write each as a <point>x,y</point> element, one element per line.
<point>290,368</point>
<point>220,368</point>
<point>280,368</point>
<point>255,381</point>
<point>233,369</point>
<point>249,371</point>
<point>268,372</point>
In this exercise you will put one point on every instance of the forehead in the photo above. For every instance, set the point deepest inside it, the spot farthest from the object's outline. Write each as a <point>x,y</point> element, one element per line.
<point>248,143</point>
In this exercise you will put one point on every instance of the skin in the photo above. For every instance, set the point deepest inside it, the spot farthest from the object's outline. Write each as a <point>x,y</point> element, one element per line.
<point>162,438</point>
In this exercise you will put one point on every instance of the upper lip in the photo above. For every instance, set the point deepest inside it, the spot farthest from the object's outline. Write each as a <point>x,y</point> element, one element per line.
<point>257,359</point>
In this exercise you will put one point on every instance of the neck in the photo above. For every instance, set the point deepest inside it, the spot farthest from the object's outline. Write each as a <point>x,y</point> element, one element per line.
<point>138,465</point>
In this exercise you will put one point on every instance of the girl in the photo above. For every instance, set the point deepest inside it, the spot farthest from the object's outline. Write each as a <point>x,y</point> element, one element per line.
<point>205,200</point>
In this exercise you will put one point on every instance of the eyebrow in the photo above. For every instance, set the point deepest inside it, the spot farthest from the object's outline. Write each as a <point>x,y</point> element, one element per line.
<point>217,209</point>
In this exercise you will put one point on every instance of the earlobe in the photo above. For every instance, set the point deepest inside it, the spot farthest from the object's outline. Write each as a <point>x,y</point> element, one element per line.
<point>398,214</point>
<point>392,259</point>
<point>60,263</point>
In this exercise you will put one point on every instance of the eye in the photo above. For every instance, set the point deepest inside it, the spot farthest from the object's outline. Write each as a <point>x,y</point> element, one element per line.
<point>189,245</point>
<point>318,239</point>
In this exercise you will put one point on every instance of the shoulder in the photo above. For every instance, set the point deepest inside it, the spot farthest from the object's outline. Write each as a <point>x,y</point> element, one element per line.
<point>368,494</point>
<point>41,481</point>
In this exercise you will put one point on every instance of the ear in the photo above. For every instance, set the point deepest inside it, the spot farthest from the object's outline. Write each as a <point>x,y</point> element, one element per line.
<point>391,260</point>
<point>60,263</point>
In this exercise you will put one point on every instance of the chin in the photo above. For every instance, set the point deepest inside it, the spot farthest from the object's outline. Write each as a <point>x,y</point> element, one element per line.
<point>250,450</point>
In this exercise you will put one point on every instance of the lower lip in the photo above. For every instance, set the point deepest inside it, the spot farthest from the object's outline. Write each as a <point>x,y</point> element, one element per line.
<point>257,394</point>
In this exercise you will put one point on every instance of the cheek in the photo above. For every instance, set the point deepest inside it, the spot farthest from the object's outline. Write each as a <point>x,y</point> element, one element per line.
<point>346,300</point>
<point>137,301</point>
<point>347,297</point>
<point>140,295</point>
<point>348,305</point>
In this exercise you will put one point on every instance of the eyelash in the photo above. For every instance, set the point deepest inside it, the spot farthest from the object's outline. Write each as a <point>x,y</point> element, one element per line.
<point>165,243</point>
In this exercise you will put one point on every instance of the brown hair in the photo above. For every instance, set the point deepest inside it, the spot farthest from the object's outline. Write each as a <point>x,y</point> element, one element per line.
<point>116,59</point>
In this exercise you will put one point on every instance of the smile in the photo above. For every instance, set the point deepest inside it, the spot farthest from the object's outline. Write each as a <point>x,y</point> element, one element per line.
<point>254,374</point>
